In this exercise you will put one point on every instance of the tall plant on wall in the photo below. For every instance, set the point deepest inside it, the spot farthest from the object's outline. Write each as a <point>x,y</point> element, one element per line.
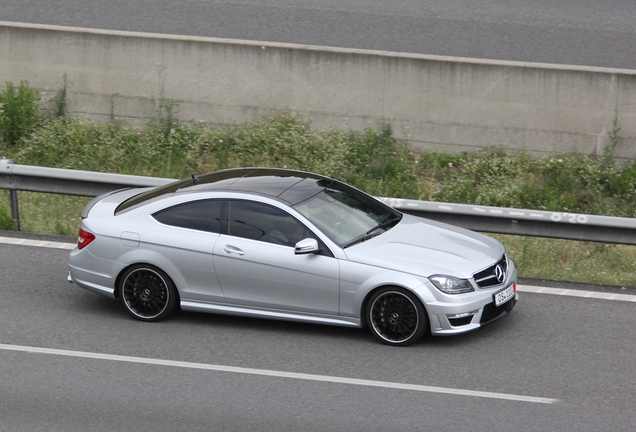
<point>19,112</point>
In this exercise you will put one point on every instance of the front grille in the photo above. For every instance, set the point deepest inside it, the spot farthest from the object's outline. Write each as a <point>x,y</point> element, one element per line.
<point>487,278</point>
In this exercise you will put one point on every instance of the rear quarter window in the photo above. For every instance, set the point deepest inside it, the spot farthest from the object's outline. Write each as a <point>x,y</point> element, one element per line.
<point>198,215</point>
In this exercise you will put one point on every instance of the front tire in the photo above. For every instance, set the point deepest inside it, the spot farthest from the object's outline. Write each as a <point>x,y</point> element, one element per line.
<point>147,293</point>
<point>396,317</point>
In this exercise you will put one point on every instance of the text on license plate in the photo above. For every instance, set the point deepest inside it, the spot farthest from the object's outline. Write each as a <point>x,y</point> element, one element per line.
<point>505,295</point>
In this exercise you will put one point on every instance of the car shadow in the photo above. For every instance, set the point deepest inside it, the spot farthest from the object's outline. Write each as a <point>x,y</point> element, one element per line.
<point>113,310</point>
<point>289,328</point>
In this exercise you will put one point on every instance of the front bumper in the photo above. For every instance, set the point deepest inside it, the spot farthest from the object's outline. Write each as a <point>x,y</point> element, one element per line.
<point>448,319</point>
<point>492,312</point>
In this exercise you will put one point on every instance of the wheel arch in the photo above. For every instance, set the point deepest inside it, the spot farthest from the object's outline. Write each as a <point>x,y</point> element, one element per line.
<point>359,282</point>
<point>151,259</point>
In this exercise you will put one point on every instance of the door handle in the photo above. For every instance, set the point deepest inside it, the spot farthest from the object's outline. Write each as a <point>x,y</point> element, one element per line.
<point>233,250</point>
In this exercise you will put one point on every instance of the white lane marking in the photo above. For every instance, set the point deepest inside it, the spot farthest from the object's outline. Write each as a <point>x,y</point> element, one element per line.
<point>279,374</point>
<point>576,293</point>
<point>36,243</point>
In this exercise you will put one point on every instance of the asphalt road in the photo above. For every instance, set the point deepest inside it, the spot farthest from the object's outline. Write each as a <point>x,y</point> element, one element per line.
<point>174,375</point>
<point>577,32</point>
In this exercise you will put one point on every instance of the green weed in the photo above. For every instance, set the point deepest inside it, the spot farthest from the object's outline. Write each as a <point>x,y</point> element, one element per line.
<point>6,221</point>
<point>60,98</point>
<point>19,112</point>
<point>567,183</point>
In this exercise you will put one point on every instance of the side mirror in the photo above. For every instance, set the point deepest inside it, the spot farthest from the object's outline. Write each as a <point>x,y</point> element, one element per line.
<point>307,246</point>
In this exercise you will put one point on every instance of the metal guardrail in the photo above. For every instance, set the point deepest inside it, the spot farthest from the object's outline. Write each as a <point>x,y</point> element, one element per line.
<point>533,223</point>
<point>65,182</point>
<point>569,226</point>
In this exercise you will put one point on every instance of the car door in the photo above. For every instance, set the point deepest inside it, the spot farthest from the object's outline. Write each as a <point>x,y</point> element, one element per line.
<point>186,237</point>
<point>256,265</point>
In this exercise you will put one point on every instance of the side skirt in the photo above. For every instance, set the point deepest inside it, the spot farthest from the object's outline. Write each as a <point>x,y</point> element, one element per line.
<point>268,313</point>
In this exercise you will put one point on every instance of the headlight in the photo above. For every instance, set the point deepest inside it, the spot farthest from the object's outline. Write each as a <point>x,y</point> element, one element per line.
<point>451,285</point>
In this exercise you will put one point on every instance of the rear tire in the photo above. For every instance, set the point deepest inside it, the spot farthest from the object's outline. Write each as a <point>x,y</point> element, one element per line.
<point>147,293</point>
<point>396,316</point>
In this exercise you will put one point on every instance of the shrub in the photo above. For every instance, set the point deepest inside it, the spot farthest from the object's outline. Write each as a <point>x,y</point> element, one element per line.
<point>566,183</point>
<point>19,112</point>
<point>373,161</point>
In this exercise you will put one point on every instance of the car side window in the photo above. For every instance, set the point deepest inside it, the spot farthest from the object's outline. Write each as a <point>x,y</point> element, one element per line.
<point>262,222</point>
<point>202,215</point>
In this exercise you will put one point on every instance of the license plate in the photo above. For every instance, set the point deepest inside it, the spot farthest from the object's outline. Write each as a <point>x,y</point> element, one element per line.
<point>505,295</point>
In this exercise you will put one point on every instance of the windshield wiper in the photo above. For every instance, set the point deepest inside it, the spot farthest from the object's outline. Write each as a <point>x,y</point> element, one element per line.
<point>362,238</point>
<point>388,223</point>
<point>385,226</point>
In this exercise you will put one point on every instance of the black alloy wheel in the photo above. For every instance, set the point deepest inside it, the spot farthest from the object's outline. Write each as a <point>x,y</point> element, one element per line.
<point>147,293</point>
<point>396,317</point>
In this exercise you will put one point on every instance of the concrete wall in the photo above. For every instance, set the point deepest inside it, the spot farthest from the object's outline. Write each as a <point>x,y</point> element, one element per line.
<point>443,103</point>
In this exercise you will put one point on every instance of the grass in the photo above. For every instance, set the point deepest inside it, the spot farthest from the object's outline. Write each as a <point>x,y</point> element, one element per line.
<point>372,160</point>
<point>47,213</point>
<point>575,261</point>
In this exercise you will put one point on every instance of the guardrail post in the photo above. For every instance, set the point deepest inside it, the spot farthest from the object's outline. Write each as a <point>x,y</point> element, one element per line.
<point>15,210</point>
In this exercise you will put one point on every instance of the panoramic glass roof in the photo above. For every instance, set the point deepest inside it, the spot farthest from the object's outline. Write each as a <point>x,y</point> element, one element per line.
<point>287,185</point>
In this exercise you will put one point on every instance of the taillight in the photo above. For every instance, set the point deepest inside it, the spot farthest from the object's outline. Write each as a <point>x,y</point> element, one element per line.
<point>84,238</point>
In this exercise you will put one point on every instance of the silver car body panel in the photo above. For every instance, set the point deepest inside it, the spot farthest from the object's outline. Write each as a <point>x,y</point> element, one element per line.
<point>265,275</point>
<point>425,247</point>
<point>231,275</point>
<point>225,309</point>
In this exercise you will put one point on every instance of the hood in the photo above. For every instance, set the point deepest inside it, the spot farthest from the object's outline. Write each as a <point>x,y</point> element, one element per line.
<point>425,247</point>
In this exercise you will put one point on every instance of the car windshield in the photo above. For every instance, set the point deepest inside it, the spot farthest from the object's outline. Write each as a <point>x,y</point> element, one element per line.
<point>346,215</point>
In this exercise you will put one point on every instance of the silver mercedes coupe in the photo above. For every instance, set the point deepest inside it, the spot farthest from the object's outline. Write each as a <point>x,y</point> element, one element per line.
<point>289,245</point>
